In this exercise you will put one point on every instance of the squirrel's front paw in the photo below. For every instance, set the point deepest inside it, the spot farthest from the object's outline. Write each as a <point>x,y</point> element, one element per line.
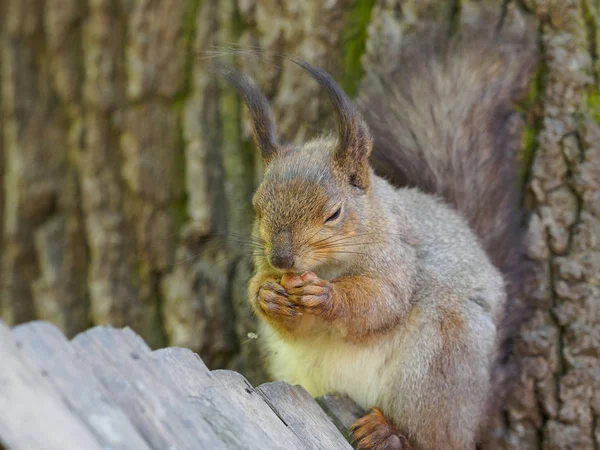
<point>374,432</point>
<point>274,302</point>
<point>309,293</point>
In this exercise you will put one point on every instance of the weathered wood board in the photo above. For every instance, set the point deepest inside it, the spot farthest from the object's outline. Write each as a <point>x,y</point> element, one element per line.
<point>106,389</point>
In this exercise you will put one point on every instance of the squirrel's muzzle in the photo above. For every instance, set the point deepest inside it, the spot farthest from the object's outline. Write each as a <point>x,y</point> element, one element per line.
<point>282,256</point>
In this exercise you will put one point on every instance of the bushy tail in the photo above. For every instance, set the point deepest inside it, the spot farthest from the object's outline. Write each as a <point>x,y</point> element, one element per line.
<point>442,115</point>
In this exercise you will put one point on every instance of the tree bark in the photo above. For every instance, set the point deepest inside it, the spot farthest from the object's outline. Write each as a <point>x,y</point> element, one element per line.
<point>127,172</point>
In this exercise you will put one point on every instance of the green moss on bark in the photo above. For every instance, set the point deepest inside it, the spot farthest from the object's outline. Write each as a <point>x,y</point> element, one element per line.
<point>531,110</point>
<point>590,16</point>
<point>179,205</point>
<point>354,40</point>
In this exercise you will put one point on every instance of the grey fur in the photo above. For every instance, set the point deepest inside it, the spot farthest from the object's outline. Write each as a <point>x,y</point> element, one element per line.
<point>418,330</point>
<point>442,113</point>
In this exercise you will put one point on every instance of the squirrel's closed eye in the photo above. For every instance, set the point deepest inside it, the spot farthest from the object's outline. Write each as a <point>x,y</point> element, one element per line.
<point>335,215</point>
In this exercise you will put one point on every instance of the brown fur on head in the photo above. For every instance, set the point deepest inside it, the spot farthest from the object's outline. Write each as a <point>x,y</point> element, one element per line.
<point>314,196</point>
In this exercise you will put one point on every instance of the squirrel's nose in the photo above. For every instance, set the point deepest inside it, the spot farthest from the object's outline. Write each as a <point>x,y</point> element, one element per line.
<point>282,260</point>
<point>282,256</point>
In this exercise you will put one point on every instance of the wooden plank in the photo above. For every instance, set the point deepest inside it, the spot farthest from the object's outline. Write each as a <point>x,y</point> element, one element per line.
<point>252,404</point>
<point>154,406</point>
<point>170,396</point>
<point>342,410</point>
<point>47,348</point>
<point>302,414</point>
<point>134,341</point>
<point>185,368</point>
<point>215,402</point>
<point>32,415</point>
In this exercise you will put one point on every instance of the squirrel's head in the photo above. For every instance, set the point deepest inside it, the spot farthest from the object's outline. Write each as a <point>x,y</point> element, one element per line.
<point>312,202</point>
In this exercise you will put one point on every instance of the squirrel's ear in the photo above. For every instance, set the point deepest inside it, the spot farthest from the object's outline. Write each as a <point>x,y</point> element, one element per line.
<point>263,124</point>
<point>354,139</point>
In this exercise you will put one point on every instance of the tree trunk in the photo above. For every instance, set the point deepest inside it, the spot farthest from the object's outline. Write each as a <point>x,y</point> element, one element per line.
<point>127,173</point>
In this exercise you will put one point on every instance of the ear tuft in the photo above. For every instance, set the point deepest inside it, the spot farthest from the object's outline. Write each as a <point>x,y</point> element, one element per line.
<point>354,139</point>
<point>263,123</point>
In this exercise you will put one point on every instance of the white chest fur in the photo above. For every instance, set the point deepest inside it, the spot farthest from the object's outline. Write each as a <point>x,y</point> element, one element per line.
<point>328,365</point>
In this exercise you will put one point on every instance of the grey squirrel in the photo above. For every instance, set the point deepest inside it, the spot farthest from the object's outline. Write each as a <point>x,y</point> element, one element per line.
<point>393,249</point>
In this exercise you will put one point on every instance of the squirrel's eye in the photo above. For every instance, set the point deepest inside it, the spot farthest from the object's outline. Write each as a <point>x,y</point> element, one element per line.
<point>335,215</point>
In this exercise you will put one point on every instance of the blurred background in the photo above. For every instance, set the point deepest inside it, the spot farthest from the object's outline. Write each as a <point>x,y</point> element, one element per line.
<point>127,172</point>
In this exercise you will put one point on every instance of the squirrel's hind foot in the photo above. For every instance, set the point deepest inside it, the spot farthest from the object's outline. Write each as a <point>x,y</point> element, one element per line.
<point>374,432</point>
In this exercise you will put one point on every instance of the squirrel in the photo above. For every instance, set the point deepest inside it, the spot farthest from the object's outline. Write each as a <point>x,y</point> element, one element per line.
<point>394,248</point>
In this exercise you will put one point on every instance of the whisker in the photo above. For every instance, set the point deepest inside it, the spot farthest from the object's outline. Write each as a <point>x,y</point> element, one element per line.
<point>244,240</point>
<point>189,258</point>
<point>343,238</point>
<point>326,257</point>
<point>334,239</point>
<point>344,253</point>
<point>237,260</point>
<point>247,245</point>
<point>337,235</point>
<point>207,251</point>
<point>318,260</point>
<point>229,241</point>
<point>240,237</point>
<point>308,240</point>
<point>351,253</point>
<point>327,246</point>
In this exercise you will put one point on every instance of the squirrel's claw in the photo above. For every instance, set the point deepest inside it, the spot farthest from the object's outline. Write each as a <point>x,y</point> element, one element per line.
<point>274,302</point>
<point>309,293</point>
<point>374,432</point>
